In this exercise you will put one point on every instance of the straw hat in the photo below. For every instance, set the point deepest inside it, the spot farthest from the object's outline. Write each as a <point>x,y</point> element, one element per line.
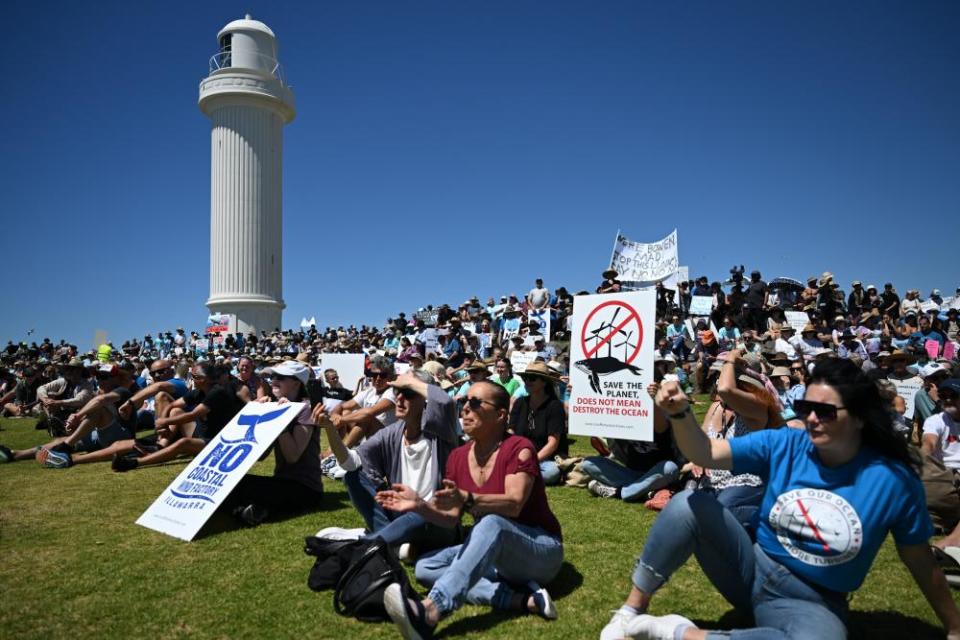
<point>537,368</point>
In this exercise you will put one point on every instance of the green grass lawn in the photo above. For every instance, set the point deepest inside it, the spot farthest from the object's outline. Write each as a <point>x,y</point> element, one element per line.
<point>74,564</point>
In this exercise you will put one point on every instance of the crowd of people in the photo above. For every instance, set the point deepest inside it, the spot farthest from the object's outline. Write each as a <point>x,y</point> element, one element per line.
<point>831,418</point>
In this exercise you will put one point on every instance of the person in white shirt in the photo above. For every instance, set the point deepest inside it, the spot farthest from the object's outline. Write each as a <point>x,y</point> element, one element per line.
<point>941,469</point>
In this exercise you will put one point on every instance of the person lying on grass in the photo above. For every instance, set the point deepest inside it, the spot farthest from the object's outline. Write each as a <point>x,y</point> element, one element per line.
<point>96,426</point>
<point>516,539</point>
<point>414,450</point>
<point>196,417</point>
<point>833,492</point>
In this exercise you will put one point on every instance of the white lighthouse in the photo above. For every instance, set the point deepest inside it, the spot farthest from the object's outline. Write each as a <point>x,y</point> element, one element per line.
<point>248,101</point>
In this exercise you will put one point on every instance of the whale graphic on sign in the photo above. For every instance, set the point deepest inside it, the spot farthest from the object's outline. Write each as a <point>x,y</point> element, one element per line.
<point>252,421</point>
<point>603,336</point>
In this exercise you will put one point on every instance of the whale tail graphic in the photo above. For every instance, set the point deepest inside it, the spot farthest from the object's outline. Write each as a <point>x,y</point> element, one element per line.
<point>252,421</point>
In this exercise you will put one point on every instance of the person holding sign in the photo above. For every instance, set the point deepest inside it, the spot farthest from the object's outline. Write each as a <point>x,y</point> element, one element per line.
<point>516,538</point>
<point>833,492</point>
<point>296,482</point>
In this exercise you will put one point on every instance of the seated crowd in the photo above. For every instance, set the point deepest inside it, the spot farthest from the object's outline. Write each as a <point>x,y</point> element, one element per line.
<point>830,419</point>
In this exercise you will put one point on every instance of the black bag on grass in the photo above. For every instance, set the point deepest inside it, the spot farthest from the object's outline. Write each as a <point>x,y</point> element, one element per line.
<point>359,571</point>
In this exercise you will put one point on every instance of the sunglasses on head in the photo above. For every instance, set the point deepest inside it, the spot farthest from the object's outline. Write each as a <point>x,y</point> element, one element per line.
<point>825,412</point>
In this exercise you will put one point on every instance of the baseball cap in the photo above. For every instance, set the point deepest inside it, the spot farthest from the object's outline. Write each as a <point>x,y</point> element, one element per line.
<point>292,368</point>
<point>930,369</point>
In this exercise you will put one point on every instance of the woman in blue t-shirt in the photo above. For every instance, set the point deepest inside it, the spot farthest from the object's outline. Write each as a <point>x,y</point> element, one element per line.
<point>833,491</point>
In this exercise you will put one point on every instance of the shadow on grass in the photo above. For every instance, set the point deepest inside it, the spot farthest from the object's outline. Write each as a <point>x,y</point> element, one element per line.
<point>566,582</point>
<point>861,625</point>
<point>222,521</point>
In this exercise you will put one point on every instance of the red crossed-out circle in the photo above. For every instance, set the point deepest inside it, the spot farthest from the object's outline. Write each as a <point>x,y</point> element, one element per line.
<point>632,316</point>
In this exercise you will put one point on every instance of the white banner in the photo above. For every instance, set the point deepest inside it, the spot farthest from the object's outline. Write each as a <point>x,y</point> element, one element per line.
<point>190,500</point>
<point>907,389</point>
<point>640,262</point>
<point>611,357</point>
<point>701,305</point>
<point>520,360</point>
<point>349,366</point>
<point>797,319</point>
<point>928,306</point>
<point>541,317</point>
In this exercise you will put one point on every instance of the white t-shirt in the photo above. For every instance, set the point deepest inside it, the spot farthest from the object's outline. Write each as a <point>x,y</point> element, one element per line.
<point>416,467</point>
<point>538,297</point>
<point>369,397</point>
<point>947,431</point>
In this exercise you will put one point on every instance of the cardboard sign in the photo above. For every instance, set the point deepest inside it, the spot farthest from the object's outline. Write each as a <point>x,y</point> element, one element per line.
<point>349,366</point>
<point>541,317</point>
<point>611,356</point>
<point>701,305</point>
<point>520,360</point>
<point>797,319</point>
<point>907,389</point>
<point>190,500</point>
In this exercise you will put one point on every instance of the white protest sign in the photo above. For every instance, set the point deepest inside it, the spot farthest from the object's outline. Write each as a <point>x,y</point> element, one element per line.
<point>928,306</point>
<point>701,305</point>
<point>611,355</point>
<point>645,262</point>
<point>907,389</point>
<point>520,360</point>
<point>430,340</point>
<point>402,367</point>
<point>541,317</point>
<point>797,319</point>
<point>470,326</point>
<point>190,500</point>
<point>349,367</point>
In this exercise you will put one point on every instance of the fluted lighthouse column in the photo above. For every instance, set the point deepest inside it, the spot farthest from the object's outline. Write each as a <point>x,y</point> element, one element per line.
<point>248,103</point>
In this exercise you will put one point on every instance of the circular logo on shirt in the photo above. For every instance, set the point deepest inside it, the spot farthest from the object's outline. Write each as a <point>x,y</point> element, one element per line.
<point>817,527</point>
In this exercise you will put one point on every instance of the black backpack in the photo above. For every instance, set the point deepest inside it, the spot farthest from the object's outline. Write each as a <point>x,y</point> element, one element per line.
<point>358,571</point>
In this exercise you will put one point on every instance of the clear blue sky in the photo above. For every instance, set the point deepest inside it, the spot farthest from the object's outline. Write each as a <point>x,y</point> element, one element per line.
<point>444,149</point>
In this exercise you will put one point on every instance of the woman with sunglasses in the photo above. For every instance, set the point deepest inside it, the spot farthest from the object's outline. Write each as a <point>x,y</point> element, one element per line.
<point>295,485</point>
<point>833,492</point>
<point>539,417</point>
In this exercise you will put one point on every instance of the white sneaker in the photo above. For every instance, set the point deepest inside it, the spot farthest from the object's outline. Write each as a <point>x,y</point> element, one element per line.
<point>340,533</point>
<point>406,553</point>
<point>646,627</point>
<point>616,629</point>
<point>337,472</point>
<point>601,490</point>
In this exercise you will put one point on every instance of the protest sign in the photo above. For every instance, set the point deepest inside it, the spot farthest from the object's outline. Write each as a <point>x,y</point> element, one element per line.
<point>701,305</point>
<point>430,339</point>
<point>201,345</point>
<point>428,316</point>
<point>928,306</point>
<point>932,347</point>
<point>611,351</point>
<point>190,500</point>
<point>542,318</point>
<point>222,323</point>
<point>797,319</point>
<point>907,389</point>
<point>470,327</point>
<point>950,350</point>
<point>402,367</point>
<point>520,360</point>
<point>349,366</point>
<point>645,262</point>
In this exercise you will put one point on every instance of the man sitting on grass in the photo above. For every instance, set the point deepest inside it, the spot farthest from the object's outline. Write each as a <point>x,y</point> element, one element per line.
<point>164,390</point>
<point>413,450</point>
<point>96,426</point>
<point>197,418</point>
<point>61,397</point>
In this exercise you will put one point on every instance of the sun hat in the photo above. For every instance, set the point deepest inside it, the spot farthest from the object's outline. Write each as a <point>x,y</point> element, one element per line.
<point>540,369</point>
<point>291,368</point>
<point>780,371</point>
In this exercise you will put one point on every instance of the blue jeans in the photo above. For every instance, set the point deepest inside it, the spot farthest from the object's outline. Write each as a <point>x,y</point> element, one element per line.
<point>783,605</point>
<point>633,485</point>
<point>496,552</point>
<point>550,472</point>
<point>679,347</point>
<point>394,528</point>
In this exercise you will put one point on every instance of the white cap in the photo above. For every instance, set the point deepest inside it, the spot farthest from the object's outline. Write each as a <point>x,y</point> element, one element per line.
<point>930,369</point>
<point>293,368</point>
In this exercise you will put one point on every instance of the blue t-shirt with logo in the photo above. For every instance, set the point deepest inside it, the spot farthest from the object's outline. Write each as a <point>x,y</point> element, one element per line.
<point>826,524</point>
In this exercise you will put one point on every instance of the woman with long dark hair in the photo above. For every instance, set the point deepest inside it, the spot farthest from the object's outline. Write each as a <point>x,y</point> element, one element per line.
<point>833,492</point>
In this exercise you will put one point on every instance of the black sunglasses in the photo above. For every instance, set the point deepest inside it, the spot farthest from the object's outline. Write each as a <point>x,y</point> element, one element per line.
<point>408,394</point>
<point>376,374</point>
<point>825,412</point>
<point>476,403</point>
